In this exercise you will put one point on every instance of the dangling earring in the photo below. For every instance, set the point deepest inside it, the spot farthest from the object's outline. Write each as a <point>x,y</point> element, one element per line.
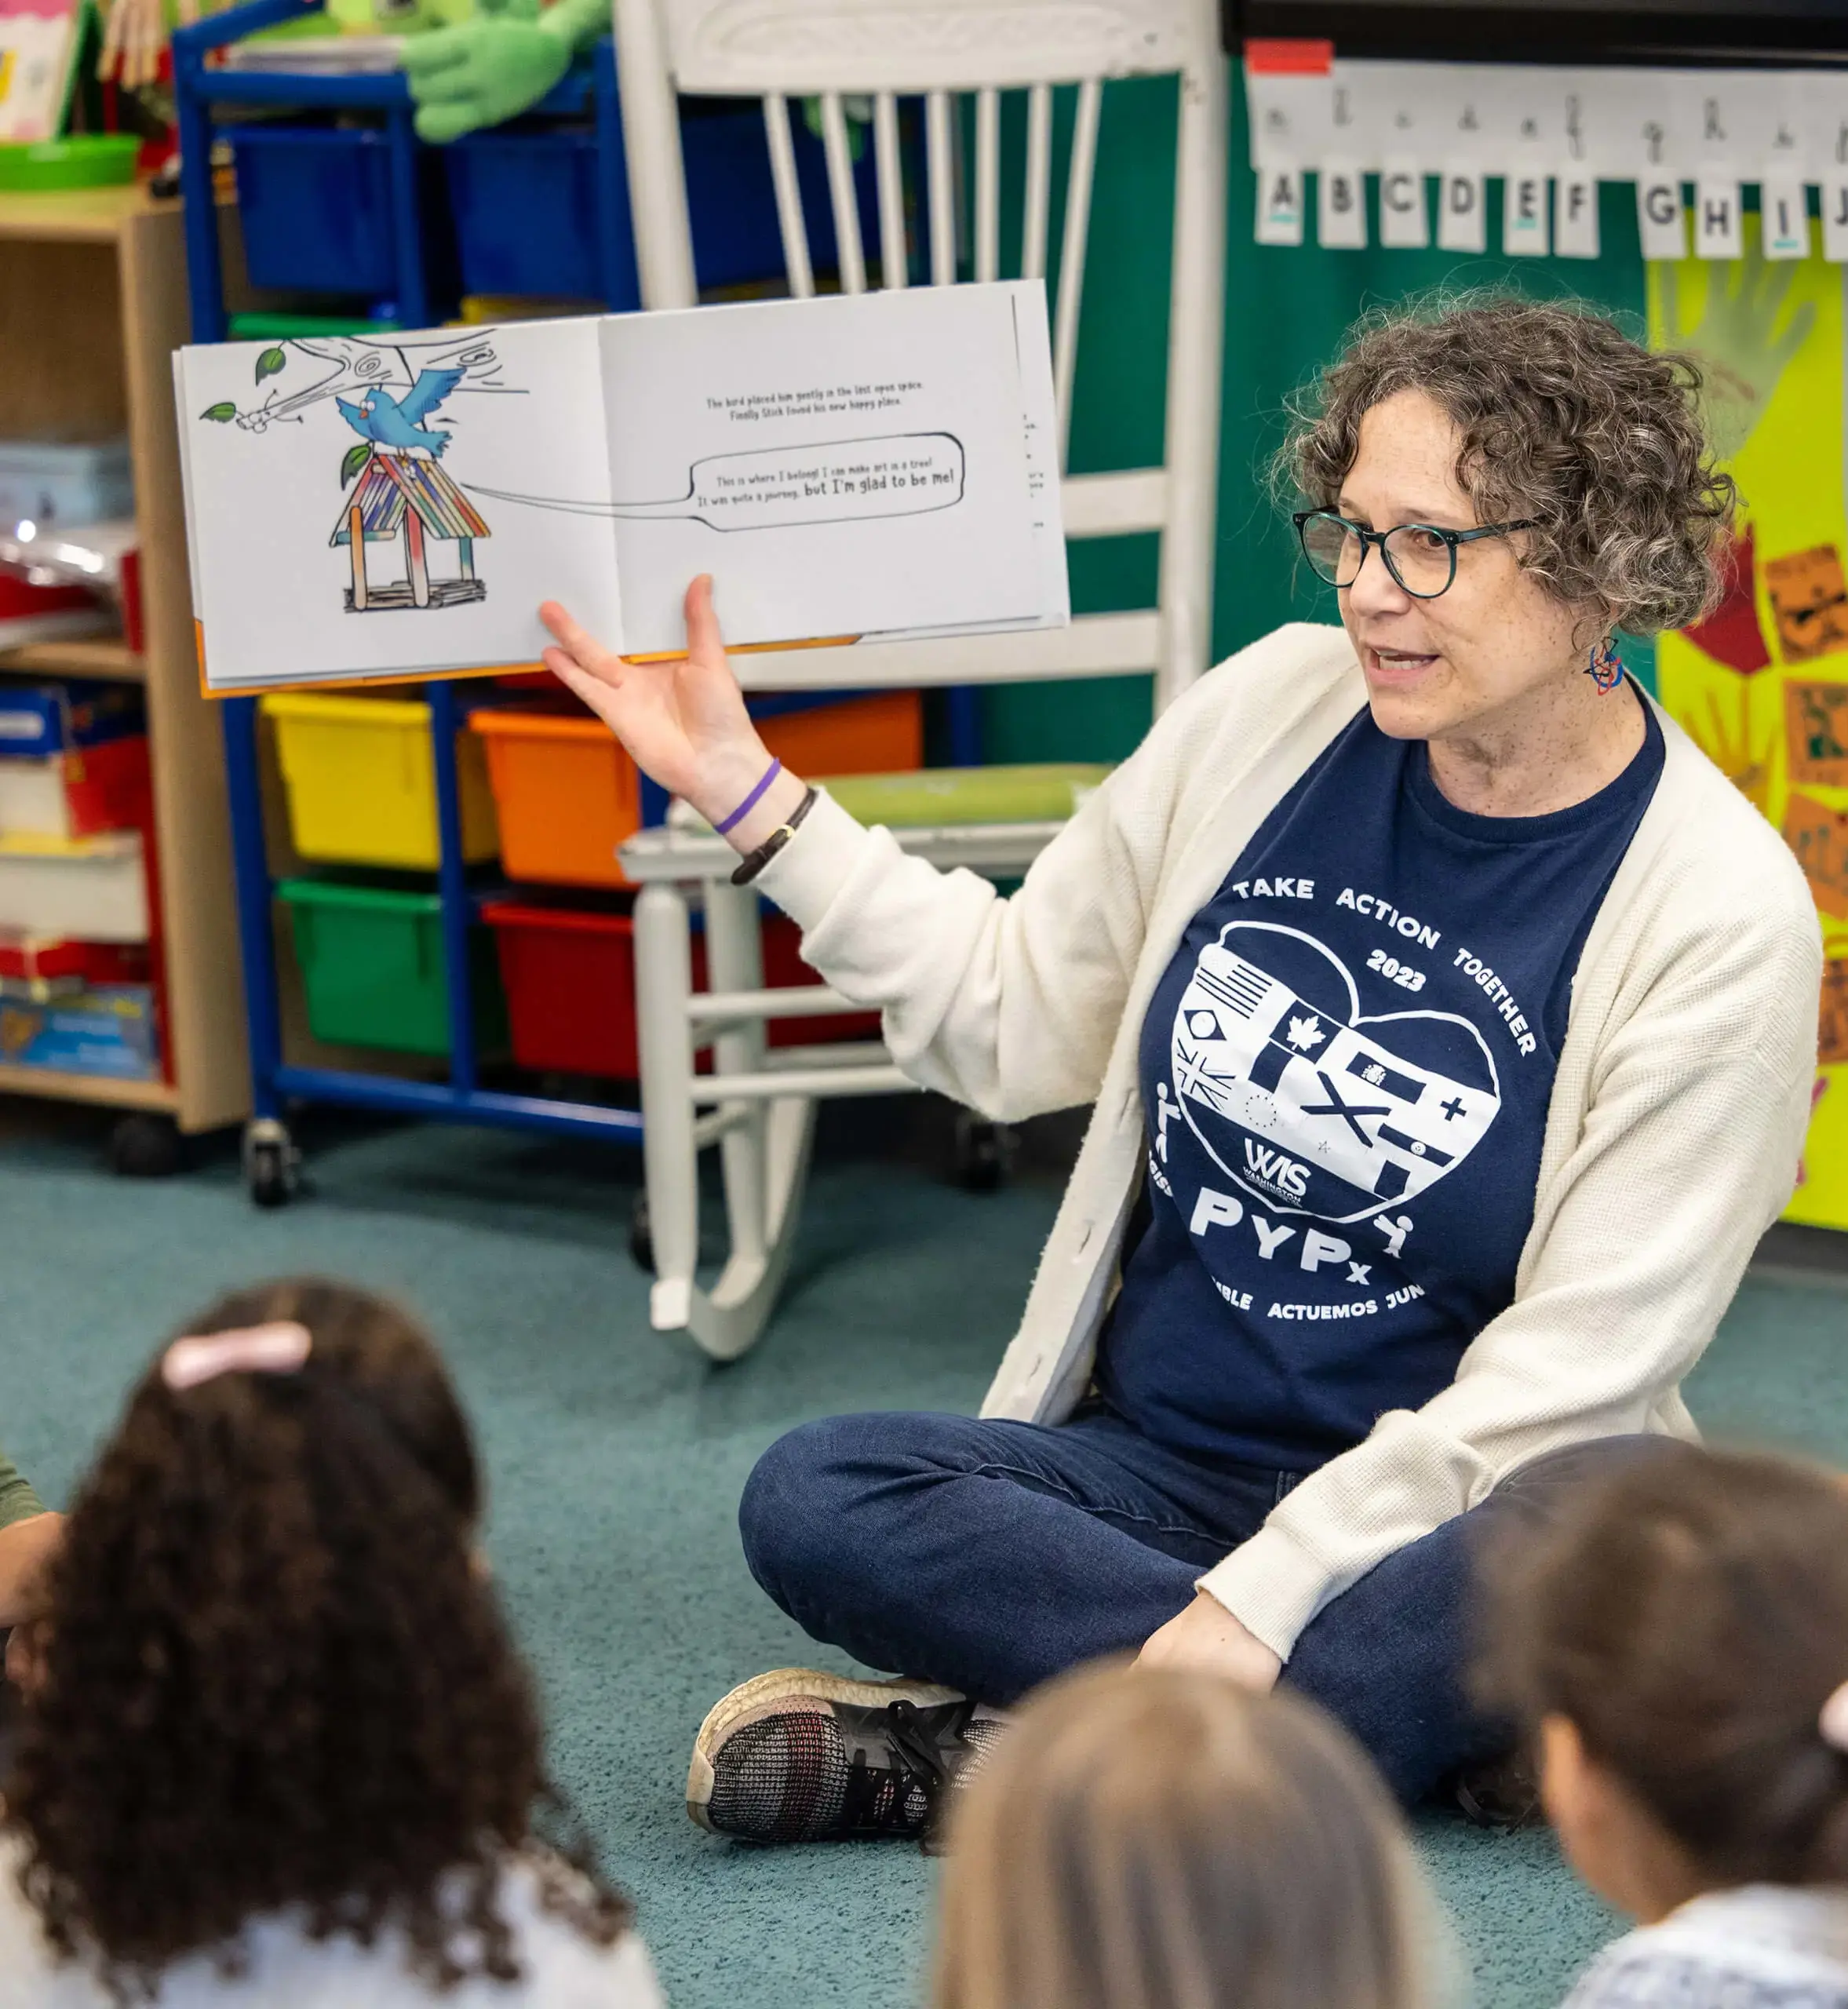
<point>1605,666</point>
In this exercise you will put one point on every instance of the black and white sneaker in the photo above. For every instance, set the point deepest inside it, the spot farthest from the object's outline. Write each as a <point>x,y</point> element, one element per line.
<point>1502,1793</point>
<point>797,1756</point>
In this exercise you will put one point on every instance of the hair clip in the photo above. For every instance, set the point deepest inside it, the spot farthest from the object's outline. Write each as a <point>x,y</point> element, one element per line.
<point>1832,1723</point>
<point>280,1348</point>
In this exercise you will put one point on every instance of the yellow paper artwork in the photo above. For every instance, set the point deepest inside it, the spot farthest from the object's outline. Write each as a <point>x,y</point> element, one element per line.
<point>1762,682</point>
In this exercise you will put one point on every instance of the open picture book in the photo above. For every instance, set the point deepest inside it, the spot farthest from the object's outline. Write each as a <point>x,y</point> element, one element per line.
<point>398,505</point>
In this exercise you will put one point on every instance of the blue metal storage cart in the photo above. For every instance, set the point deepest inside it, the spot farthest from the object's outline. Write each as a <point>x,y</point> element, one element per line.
<point>391,258</point>
<point>270,1154</point>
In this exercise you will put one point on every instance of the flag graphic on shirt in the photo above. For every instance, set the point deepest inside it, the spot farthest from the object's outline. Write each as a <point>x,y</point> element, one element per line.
<point>1317,1111</point>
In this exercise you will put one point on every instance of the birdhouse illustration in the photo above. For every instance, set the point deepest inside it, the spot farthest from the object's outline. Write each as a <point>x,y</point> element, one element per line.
<point>408,495</point>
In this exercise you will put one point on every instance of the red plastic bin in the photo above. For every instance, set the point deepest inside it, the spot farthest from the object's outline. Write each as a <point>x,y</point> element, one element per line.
<point>784,970</point>
<point>570,976</point>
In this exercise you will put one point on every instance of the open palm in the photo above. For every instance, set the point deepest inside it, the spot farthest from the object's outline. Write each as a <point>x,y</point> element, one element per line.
<point>682,719</point>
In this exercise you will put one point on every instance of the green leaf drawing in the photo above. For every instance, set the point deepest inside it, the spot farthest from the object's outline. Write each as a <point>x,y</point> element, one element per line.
<point>270,362</point>
<point>220,413</point>
<point>355,459</point>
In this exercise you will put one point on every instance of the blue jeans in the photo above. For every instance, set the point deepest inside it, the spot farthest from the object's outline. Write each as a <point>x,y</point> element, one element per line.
<point>992,1555</point>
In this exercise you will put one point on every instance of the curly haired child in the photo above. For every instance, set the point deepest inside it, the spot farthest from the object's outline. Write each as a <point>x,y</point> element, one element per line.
<point>1677,1648</point>
<point>279,1746</point>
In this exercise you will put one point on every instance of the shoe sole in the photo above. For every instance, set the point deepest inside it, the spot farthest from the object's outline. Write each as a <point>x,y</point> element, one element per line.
<point>758,1695</point>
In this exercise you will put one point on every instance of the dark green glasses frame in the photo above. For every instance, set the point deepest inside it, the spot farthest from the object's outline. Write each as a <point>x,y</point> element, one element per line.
<point>1450,539</point>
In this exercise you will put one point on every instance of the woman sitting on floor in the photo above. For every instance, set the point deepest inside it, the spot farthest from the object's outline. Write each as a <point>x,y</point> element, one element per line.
<point>278,1746</point>
<point>1449,1023</point>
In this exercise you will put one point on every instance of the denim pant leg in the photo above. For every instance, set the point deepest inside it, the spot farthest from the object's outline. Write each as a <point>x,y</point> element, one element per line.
<point>1389,1657</point>
<point>987,1555</point>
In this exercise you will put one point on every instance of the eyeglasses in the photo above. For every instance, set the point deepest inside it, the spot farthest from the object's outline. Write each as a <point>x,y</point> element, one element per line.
<point>1422,557</point>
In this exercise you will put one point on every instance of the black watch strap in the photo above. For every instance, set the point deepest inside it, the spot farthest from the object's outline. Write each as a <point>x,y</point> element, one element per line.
<point>755,861</point>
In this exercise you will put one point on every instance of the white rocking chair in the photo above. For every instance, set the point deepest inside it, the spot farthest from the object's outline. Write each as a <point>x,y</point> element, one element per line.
<point>759,1106</point>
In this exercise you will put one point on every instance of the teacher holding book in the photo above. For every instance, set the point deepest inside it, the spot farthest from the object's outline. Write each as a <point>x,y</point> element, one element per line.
<point>1449,1023</point>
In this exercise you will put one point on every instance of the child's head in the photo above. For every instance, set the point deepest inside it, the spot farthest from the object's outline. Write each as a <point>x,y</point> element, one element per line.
<point>1670,1646</point>
<point>274,1677</point>
<point>1165,1840</point>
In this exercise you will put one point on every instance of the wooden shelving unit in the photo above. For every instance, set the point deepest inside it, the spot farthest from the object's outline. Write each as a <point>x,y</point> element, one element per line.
<point>106,656</point>
<point>156,1097</point>
<point>92,303</point>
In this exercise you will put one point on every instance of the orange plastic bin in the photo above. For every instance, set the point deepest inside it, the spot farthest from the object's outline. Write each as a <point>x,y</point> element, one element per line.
<point>568,795</point>
<point>881,734</point>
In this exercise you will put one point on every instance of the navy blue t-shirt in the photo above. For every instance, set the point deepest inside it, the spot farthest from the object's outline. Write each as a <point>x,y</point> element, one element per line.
<point>1346,1071</point>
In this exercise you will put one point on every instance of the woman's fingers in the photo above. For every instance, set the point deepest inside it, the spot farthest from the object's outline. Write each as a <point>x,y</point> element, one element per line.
<point>605,691</point>
<point>705,645</point>
<point>566,670</point>
<point>579,643</point>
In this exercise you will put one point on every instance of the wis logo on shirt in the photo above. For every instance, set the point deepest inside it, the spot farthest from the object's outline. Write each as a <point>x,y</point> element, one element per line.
<point>1306,1102</point>
<point>1272,1170</point>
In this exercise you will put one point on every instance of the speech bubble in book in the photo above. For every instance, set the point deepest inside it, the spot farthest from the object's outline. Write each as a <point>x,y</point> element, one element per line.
<point>902,474</point>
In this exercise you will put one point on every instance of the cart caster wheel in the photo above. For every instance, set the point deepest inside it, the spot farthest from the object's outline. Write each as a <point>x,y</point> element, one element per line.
<point>144,1146</point>
<point>641,1236</point>
<point>272,1162</point>
<point>984,1150</point>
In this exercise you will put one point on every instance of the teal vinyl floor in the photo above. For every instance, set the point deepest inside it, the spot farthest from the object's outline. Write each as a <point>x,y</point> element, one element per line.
<point>616,1456</point>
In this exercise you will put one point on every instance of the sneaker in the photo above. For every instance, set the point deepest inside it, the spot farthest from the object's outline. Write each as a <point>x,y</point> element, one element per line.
<point>1501,1792</point>
<point>796,1755</point>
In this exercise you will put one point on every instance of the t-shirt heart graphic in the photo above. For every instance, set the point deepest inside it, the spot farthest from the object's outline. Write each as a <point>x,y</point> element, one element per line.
<point>1305,1103</point>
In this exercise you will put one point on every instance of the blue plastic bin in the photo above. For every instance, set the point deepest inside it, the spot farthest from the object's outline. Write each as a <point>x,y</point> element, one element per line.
<point>526,211</point>
<point>316,204</point>
<point>525,202</point>
<point>731,200</point>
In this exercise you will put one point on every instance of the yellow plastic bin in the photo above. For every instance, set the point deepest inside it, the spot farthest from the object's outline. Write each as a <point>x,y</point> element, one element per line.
<point>361,775</point>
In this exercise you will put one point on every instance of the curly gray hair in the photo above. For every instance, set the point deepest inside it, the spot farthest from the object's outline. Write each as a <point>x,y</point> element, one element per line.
<point>1562,419</point>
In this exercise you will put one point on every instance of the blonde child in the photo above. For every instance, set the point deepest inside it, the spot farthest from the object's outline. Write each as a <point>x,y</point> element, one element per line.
<point>278,1746</point>
<point>1677,1649</point>
<point>1167,1840</point>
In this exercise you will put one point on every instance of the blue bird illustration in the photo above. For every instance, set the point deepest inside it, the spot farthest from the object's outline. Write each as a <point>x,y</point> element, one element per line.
<point>390,421</point>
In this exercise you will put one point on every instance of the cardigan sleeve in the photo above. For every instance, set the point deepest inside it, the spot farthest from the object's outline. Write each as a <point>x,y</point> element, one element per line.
<point>1687,1153</point>
<point>1010,1005</point>
<point>18,1502</point>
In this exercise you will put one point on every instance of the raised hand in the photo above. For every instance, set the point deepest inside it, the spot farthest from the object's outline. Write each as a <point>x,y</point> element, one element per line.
<point>682,719</point>
<point>483,71</point>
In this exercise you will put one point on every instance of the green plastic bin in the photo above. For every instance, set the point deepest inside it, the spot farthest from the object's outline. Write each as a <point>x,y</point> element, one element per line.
<point>371,959</point>
<point>83,160</point>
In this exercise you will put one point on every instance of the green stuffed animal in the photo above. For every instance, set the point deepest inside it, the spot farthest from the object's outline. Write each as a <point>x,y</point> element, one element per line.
<point>475,62</point>
<point>393,17</point>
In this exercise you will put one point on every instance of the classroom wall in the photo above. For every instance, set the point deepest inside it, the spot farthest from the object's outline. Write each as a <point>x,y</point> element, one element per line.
<point>1286,311</point>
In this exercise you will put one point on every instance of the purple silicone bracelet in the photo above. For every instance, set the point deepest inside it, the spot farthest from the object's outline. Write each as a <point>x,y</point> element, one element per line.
<point>751,801</point>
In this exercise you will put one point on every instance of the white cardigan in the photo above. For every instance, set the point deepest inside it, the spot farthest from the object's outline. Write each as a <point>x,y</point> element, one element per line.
<point>1672,1142</point>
